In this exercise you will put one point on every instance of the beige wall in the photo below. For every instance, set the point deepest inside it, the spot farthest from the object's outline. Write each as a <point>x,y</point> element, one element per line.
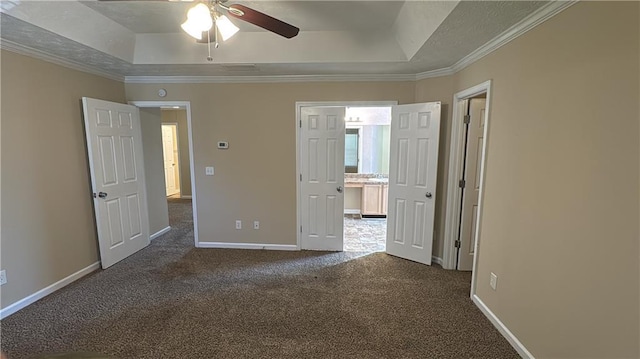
<point>255,179</point>
<point>151,128</point>
<point>180,117</point>
<point>48,229</point>
<point>560,218</point>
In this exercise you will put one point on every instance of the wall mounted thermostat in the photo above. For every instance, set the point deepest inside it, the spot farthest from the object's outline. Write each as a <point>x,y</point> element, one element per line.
<point>223,145</point>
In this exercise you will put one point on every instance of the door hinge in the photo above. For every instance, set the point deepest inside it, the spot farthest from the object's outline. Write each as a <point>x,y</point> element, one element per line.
<point>467,119</point>
<point>462,183</point>
<point>457,244</point>
<point>300,229</point>
<point>301,177</point>
<point>300,123</point>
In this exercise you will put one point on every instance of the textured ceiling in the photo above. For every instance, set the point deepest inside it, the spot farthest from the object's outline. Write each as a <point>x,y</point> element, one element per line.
<point>166,16</point>
<point>364,24</point>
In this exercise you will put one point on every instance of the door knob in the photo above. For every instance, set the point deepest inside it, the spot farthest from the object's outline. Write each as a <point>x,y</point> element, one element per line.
<point>102,195</point>
<point>429,195</point>
<point>339,189</point>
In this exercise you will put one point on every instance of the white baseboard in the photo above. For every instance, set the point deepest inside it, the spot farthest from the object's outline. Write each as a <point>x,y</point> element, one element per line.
<point>5,312</point>
<point>185,197</point>
<point>159,233</point>
<point>515,343</point>
<point>275,247</point>
<point>436,260</point>
<point>351,211</point>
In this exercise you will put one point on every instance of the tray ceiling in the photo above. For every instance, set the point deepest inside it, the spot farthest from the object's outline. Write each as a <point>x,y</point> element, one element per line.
<point>143,38</point>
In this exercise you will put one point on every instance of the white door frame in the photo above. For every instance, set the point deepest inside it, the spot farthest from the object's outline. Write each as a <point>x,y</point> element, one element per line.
<point>454,192</point>
<point>179,164</point>
<point>187,106</point>
<point>299,106</point>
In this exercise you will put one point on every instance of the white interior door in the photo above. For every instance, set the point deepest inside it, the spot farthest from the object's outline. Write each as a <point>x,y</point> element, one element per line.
<point>114,146</point>
<point>322,136</point>
<point>169,160</point>
<point>471,191</point>
<point>415,130</point>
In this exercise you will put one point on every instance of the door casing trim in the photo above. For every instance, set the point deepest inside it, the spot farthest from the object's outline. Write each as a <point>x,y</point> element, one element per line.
<point>454,193</point>
<point>187,106</point>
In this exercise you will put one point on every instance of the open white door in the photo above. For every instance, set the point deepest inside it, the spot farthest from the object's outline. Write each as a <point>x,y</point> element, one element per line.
<point>114,146</point>
<point>168,146</point>
<point>471,191</point>
<point>322,135</point>
<point>415,130</point>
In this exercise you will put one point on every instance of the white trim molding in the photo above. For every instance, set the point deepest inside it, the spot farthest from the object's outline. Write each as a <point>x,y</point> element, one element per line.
<point>264,246</point>
<point>22,303</point>
<point>445,71</point>
<point>456,160</point>
<point>268,79</point>
<point>511,338</point>
<point>436,260</point>
<point>61,61</point>
<point>160,232</point>
<point>185,197</point>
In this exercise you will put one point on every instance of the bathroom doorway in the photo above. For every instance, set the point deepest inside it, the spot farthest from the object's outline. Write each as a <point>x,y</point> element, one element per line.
<point>367,138</point>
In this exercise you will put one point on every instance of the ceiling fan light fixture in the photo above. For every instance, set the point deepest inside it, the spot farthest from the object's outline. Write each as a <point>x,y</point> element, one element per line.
<point>198,20</point>
<point>192,29</point>
<point>226,27</point>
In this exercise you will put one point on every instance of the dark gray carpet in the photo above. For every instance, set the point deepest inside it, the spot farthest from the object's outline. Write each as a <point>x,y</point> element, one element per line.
<point>171,300</point>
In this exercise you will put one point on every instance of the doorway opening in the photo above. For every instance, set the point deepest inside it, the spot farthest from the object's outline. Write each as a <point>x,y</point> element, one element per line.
<point>170,127</point>
<point>466,179</point>
<point>366,179</point>
<point>175,153</point>
<point>411,183</point>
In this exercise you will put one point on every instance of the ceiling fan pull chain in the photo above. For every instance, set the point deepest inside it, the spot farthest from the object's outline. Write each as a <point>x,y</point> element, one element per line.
<point>209,58</point>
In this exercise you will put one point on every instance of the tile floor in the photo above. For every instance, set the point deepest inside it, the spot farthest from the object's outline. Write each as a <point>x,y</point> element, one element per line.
<point>364,235</point>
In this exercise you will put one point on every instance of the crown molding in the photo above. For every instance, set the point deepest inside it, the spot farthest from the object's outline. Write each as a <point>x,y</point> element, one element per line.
<point>267,78</point>
<point>534,19</point>
<point>445,71</point>
<point>44,56</point>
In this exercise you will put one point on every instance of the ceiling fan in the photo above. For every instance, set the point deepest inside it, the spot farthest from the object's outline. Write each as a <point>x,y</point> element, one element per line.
<point>202,17</point>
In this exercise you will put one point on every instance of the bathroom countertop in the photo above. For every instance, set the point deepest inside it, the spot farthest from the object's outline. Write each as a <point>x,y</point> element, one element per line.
<point>356,180</point>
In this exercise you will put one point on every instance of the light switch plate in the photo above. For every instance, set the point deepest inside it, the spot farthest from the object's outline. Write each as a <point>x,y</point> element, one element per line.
<point>493,281</point>
<point>208,171</point>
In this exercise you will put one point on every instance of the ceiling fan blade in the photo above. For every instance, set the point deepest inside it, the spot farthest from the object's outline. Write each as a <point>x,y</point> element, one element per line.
<point>263,20</point>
